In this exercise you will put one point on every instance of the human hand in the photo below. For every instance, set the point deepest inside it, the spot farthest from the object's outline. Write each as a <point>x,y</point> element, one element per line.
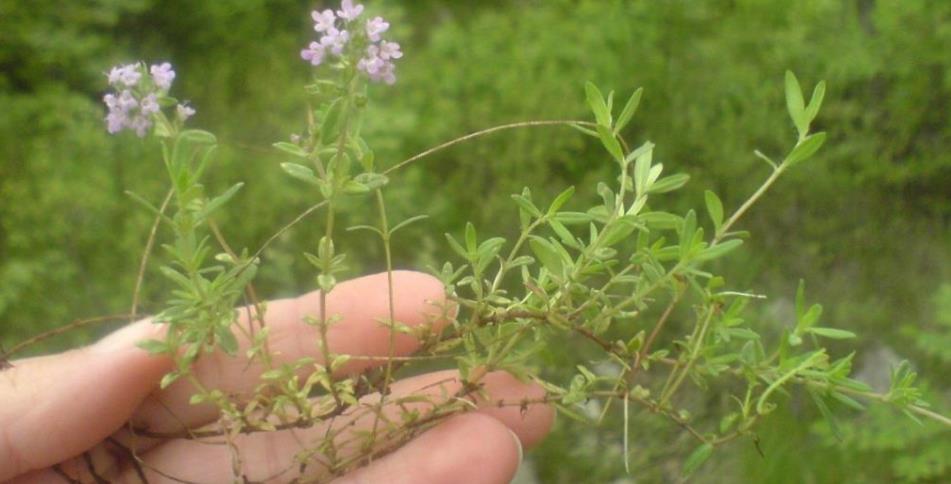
<point>65,416</point>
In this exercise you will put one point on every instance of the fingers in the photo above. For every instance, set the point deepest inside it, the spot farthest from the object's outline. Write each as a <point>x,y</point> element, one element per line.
<point>466,449</point>
<point>55,407</point>
<point>360,304</point>
<point>267,456</point>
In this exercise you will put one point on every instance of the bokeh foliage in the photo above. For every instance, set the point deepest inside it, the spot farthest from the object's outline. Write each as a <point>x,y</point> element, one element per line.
<point>866,224</point>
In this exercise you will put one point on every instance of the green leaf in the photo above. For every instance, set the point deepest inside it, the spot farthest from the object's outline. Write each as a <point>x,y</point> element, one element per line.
<point>584,130</point>
<point>291,148</point>
<point>560,200</point>
<point>719,250</point>
<point>353,187</point>
<point>153,346</point>
<point>618,230</point>
<point>810,318</point>
<point>217,202</point>
<point>372,180</point>
<point>525,204</point>
<point>547,255</point>
<point>611,143</point>
<point>697,458</point>
<point>471,241</point>
<point>457,247</point>
<point>330,121</point>
<point>687,231</point>
<point>795,104</point>
<point>806,148</point>
<point>831,333</point>
<point>826,414</point>
<point>300,172</point>
<point>642,168</point>
<point>226,340</point>
<point>629,109</point>
<point>596,102</point>
<point>168,379</point>
<point>714,209</point>
<point>812,110</point>
<point>670,183</point>
<point>661,220</point>
<point>198,136</point>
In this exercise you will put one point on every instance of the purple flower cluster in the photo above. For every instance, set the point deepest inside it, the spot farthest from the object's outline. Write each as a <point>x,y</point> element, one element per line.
<point>377,59</point>
<point>136,98</point>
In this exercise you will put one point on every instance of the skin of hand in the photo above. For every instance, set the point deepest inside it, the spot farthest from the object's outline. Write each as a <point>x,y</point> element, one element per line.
<point>65,414</point>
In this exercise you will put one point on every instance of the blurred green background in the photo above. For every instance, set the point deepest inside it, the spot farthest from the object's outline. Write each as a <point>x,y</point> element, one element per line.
<point>867,224</point>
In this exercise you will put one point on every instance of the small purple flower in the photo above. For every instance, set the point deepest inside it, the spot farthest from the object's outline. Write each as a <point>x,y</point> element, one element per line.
<point>390,50</point>
<point>323,21</point>
<point>140,124</point>
<point>162,75</point>
<point>127,75</point>
<point>184,111</point>
<point>348,11</point>
<point>314,53</point>
<point>115,121</point>
<point>376,67</point>
<point>375,27</point>
<point>149,105</point>
<point>335,40</point>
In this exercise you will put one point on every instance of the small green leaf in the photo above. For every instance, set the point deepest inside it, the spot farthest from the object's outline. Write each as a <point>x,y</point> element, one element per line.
<point>547,255</point>
<point>597,105</point>
<point>372,180</point>
<point>353,187</point>
<point>611,143</point>
<point>471,241</point>
<point>560,200</point>
<point>629,109</point>
<point>806,148</point>
<point>168,379</point>
<point>714,209</point>
<point>330,121</point>
<point>812,110</point>
<point>697,458</point>
<point>198,136</point>
<point>670,183</point>
<point>153,346</point>
<point>457,247</point>
<point>291,148</point>
<point>719,250</point>
<point>795,104</point>
<point>226,340</point>
<point>584,130</point>
<point>525,204</point>
<point>217,202</point>
<point>642,168</point>
<point>618,230</point>
<point>300,172</point>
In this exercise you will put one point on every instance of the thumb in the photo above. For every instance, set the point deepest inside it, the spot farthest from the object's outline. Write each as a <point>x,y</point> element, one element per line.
<point>56,407</point>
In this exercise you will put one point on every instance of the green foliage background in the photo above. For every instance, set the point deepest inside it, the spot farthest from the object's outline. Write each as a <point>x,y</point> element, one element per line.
<point>867,224</point>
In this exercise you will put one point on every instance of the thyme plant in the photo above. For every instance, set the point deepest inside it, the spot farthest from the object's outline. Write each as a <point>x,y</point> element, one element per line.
<point>613,271</point>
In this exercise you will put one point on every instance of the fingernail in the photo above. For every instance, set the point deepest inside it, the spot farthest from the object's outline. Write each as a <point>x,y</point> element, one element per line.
<point>521,452</point>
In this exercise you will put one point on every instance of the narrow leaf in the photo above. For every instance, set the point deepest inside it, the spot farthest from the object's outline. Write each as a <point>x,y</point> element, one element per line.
<point>714,209</point>
<point>806,148</point>
<point>597,105</point>
<point>629,109</point>
<point>697,458</point>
